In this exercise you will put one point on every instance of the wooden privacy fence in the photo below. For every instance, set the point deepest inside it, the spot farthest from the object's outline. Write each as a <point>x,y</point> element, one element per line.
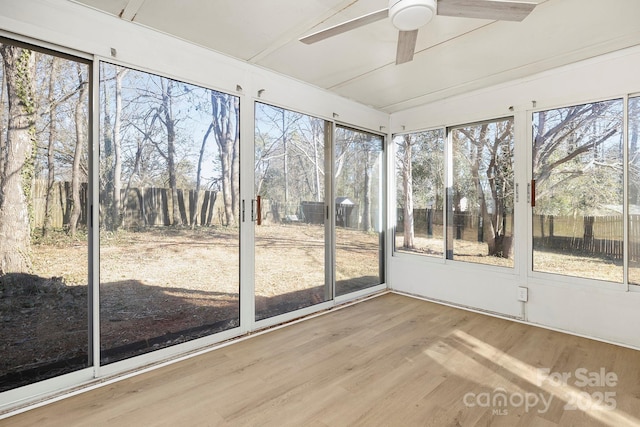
<point>61,203</point>
<point>143,207</point>
<point>634,237</point>
<point>593,235</point>
<point>153,206</point>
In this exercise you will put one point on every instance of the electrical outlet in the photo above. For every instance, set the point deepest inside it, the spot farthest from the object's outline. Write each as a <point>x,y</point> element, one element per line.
<point>523,294</point>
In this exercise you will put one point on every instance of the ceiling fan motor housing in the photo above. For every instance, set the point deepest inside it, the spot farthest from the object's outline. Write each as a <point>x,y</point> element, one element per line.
<point>409,15</point>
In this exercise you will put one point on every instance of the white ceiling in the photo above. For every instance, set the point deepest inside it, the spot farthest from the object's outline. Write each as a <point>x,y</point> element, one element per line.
<point>453,55</point>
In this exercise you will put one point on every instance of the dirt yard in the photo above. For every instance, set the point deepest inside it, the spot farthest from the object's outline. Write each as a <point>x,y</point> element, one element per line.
<point>544,261</point>
<point>464,250</point>
<point>164,286</point>
<point>159,287</point>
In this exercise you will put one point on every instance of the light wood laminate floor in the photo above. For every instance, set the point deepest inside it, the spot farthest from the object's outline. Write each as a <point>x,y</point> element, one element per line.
<point>388,361</point>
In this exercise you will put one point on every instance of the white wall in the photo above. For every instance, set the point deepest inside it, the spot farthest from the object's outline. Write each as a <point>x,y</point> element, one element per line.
<point>600,310</point>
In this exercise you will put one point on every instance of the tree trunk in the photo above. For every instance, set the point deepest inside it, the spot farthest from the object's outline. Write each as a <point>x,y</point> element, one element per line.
<point>203,210</point>
<point>51,171</point>
<point>169,123</point>
<point>235,157</point>
<point>81,137</point>
<point>488,231</point>
<point>477,156</point>
<point>225,139</point>
<point>15,185</point>
<point>366,214</point>
<point>227,186</point>
<point>117,208</point>
<point>106,196</point>
<point>458,215</point>
<point>316,166</point>
<point>212,203</point>
<point>194,218</point>
<point>407,188</point>
<point>495,230</point>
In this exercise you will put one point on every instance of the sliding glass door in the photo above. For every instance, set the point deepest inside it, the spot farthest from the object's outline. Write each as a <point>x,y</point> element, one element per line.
<point>169,222</point>
<point>44,292</point>
<point>289,212</point>
<point>131,245</point>
<point>358,176</point>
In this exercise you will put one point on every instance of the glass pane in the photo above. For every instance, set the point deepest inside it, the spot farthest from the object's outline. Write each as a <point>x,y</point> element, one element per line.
<point>290,236</point>
<point>480,199</point>
<point>420,192</point>
<point>634,191</point>
<point>44,131</point>
<point>577,168</point>
<point>358,209</point>
<point>169,236</point>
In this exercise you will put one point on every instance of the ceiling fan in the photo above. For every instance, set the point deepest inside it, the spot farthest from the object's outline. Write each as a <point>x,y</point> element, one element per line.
<point>409,15</point>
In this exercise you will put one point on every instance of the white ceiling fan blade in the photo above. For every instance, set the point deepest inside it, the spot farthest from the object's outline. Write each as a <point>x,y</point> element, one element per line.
<point>406,46</point>
<point>501,10</point>
<point>346,26</point>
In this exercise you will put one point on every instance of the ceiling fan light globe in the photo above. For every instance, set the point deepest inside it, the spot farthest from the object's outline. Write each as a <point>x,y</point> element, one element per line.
<point>409,15</point>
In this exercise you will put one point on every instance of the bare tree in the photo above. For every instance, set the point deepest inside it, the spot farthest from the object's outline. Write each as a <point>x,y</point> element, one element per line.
<point>406,144</point>
<point>159,108</point>
<point>266,151</point>
<point>53,134</point>
<point>224,116</point>
<point>317,135</point>
<point>370,150</point>
<point>488,161</point>
<point>562,139</point>
<point>194,218</point>
<point>283,139</point>
<point>235,156</point>
<point>106,181</point>
<point>81,142</point>
<point>117,207</point>
<point>357,155</point>
<point>16,181</point>
<point>306,144</point>
<point>166,116</point>
<point>112,134</point>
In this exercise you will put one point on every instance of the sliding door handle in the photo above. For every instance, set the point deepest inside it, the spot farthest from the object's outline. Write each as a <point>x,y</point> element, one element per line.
<point>533,193</point>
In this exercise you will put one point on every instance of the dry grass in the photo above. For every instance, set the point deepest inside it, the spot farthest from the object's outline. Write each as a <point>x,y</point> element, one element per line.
<point>464,250</point>
<point>575,265</point>
<point>162,286</point>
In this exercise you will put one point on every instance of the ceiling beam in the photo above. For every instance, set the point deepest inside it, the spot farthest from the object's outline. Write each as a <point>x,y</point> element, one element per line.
<point>131,9</point>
